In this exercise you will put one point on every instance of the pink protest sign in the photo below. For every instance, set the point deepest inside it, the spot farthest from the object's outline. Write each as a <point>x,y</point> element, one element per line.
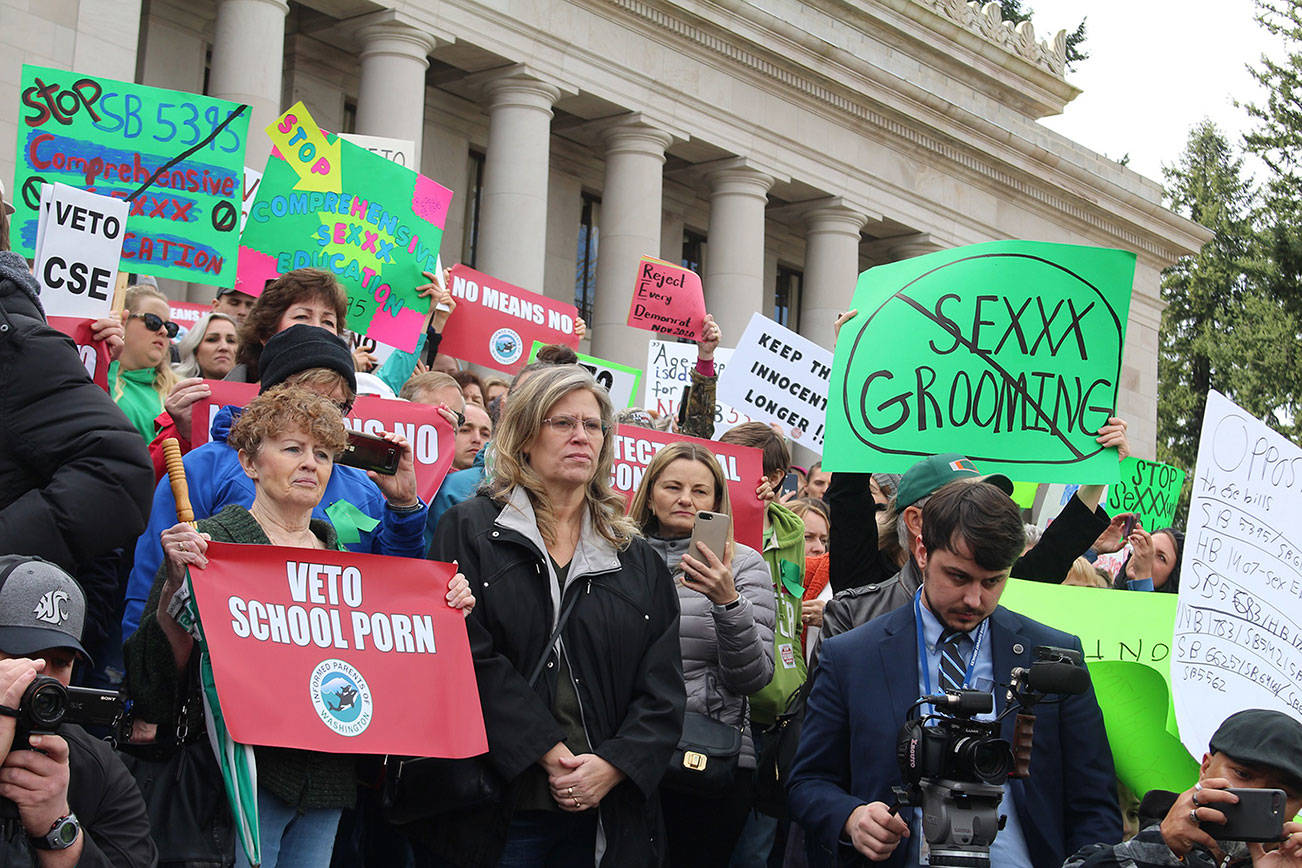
<point>494,323</point>
<point>667,299</point>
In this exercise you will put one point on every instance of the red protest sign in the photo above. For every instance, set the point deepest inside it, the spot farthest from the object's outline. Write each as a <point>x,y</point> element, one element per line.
<point>94,354</point>
<point>433,442</point>
<point>187,313</point>
<point>495,323</point>
<point>742,467</point>
<point>667,299</point>
<point>338,652</point>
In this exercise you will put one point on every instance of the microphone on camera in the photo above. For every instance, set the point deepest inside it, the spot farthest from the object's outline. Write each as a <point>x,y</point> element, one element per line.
<point>964,702</point>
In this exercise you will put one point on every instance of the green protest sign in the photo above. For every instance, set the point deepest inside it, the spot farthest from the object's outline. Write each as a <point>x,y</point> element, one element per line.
<point>1148,488</point>
<point>1009,351</point>
<point>621,381</point>
<point>326,203</point>
<point>1129,662</point>
<point>178,157</point>
<point>1024,494</point>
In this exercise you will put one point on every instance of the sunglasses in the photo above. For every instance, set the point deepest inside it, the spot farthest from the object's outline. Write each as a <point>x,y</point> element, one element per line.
<point>154,322</point>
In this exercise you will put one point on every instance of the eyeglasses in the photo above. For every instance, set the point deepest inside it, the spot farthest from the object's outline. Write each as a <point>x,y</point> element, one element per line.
<point>461,418</point>
<point>154,322</point>
<point>566,424</point>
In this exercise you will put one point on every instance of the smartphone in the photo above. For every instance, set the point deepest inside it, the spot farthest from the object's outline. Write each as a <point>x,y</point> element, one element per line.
<point>371,453</point>
<point>711,528</point>
<point>1257,816</point>
<point>790,484</point>
<point>1129,527</point>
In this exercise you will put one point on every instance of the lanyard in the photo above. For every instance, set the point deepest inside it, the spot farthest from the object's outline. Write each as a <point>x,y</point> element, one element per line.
<point>922,648</point>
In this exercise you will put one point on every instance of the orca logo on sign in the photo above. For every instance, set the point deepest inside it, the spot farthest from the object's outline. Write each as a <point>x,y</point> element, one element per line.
<point>52,608</point>
<point>341,697</point>
<point>505,346</point>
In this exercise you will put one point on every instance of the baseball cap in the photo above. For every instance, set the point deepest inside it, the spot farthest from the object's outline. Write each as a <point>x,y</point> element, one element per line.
<point>4,199</point>
<point>223,290</point>
<point>1259,737</point>
<point>41,607</point>
<point>932,474</point>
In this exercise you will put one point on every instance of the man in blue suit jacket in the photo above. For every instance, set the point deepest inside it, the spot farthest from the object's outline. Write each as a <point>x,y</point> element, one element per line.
<point>845,767</point>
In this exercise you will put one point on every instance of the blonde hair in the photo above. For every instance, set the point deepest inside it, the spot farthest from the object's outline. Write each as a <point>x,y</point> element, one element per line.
<point>164,377</point>
<point>1083,574</point>
<point>640,509</point>
<point>189,345</point>
<point>521,422</point>
<point>426,383</point>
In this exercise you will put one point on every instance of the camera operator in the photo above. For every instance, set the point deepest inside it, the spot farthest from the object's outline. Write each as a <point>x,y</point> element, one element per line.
<point>76,803</point>
<point>1253,749</point>
<point>953,635</point>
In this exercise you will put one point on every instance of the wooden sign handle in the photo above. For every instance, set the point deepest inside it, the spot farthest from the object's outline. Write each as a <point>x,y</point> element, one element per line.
<point>120,290</point>
<point>176,474</point>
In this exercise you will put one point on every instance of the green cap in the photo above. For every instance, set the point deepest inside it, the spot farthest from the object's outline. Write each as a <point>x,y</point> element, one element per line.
<point>932,474</point>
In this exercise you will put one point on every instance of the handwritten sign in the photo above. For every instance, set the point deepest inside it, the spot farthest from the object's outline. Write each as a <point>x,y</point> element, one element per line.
<point>327,203</point>
<point>1238,631</point>
<point>318,650</point>
<point>778,376</point>
<point>620,381</point>
<point>433,442</point>
<point>1129,661</point>
<point>742,468</point>
<point>80,245</point>
<point>400,151</point>
<point>667,299</point>
<point>669,368</point>
<point>176,156</point>
<point>93,354</point>
<point>495,323</point>
<point>252,179</point>
<point>1148,488</point>
<point>1011,349</point>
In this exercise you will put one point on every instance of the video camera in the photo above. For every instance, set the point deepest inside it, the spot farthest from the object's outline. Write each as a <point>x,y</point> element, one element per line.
<point>47,704</point>
<point>955,766</point>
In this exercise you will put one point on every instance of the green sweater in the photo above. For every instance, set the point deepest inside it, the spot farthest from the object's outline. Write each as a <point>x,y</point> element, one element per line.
<point>302,779</point>
<point>136,398</point>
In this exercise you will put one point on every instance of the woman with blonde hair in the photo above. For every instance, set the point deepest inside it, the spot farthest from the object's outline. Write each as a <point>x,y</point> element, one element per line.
<point>726,637</point>
<point>575,643</point>
<point>142,376</point>
<point>208,349</point>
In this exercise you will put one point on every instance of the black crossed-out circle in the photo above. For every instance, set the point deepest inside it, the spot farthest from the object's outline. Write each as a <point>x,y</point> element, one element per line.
<point>224,216</point>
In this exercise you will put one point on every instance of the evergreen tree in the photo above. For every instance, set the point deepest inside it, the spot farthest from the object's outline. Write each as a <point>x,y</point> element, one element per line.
<point>1013,11</point>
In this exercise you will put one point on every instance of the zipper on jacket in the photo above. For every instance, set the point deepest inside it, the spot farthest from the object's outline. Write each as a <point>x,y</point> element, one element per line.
<point>574,682</point>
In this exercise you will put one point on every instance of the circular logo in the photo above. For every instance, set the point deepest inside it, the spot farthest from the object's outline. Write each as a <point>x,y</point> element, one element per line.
<point>505,346</point>
<point>341,697</point>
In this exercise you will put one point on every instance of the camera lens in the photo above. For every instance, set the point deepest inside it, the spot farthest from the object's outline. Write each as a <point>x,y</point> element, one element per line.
<point>990,759</point>
<point>45,702</point>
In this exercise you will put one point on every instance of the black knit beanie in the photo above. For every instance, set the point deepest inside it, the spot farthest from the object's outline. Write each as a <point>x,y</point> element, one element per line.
<point>300,348</point>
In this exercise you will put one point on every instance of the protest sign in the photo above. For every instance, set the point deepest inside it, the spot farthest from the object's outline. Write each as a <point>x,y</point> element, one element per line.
<point>742,468</point>
<point>252,179</point>
<point>668,299</point>
<point>176,156</point>
<point>621,381</point>
<point>1148,488</point>
<point>372,346</point>
<point>327,203</point>
<point>1129,661</point>
<point>1009,350</point>
<point>495,323</point>
<point>775,375</point>
<point>338,652</point>
<point>94,354</point>
<point>186,313</point>
<point>669,367</point>
<point>430,435</point>
<point>1238,631</point>
<point>400,151</point>
<point>80,245</point>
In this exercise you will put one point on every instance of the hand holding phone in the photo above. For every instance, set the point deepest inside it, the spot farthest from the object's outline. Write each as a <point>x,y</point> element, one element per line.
<point>369,452</point>
<point>711,577</point>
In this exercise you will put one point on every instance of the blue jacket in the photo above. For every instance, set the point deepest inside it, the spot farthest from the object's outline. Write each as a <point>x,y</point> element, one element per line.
<point>216,480</point>
<point>456,487</point>
<point>866,681</point>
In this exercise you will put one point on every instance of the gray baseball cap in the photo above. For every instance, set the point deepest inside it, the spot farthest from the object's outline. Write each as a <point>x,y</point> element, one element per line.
<point>41,607</point>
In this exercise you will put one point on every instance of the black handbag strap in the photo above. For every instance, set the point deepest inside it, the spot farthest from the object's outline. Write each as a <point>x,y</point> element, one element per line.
<point>551,643</point>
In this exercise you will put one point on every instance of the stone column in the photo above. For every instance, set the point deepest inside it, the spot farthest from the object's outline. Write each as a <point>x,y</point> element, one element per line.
<point>734,268</point>
<point>513,203</point>
<point>831,268</point>
<point>909,246</point>
<point>248,54</point>
<point>391,100</point>
<point>631,214</point>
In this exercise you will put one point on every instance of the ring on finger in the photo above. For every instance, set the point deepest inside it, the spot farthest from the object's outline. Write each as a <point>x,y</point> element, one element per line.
<point>578,804</point>
<point>1193,815</point>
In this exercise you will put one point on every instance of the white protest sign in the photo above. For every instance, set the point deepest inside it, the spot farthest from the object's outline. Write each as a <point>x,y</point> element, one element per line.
<point>620,381</point>
<point>669,367</point>
<point>1238,626</point>
<point>779,376</point>
<point>400,151</point>
<point>252,178</point>
<point>80,248</point>
<point>372,346</point>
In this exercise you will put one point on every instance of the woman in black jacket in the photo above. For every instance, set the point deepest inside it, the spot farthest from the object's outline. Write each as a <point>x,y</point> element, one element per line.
<point>583,747</point>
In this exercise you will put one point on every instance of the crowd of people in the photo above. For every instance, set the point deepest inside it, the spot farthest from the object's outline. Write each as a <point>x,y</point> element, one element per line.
<point>648,698</point>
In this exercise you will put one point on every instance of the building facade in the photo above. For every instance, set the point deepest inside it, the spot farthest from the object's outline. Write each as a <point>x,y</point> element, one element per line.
<point>779,147</point>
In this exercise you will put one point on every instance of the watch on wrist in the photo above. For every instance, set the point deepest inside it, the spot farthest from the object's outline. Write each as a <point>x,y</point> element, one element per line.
<point>726,607</point>
<point>62,835</point>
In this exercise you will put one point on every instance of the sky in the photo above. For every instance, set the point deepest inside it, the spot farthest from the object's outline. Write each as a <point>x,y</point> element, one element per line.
<point>1156,68</point>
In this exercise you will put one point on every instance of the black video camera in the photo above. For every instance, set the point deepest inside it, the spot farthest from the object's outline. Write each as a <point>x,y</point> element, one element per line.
<point>955,766</point>
<point>47,704</point>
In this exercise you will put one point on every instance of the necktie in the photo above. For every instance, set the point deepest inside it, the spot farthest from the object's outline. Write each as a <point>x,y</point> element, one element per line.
<point>953,668</point>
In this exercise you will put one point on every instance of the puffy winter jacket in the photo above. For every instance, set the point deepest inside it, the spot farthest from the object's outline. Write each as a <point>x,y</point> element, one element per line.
<point>216,480</point>
<point>728,654</point>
